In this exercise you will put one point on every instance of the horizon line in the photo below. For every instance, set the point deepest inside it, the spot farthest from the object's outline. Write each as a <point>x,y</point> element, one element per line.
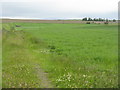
<point>53,19</point>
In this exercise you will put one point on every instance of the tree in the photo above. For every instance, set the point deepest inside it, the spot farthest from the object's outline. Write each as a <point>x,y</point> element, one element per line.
<point>100,19</point>
<point>94,19</point>
<point>103,19</point>
<point>84,19</point>
<point>114,20</point>
<point>107,20</point>
<point>89,19</point>
<point>97,19</point>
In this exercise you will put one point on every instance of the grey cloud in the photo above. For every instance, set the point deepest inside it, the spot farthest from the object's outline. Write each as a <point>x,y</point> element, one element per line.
<point>46,11</point>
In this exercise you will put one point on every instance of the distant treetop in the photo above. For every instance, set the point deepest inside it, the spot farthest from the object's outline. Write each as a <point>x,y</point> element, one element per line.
<point>97,19</point>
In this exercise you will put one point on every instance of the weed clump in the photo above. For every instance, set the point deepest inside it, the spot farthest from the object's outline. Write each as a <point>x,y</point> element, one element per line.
<point>55,50</point>
<point>17,26</point>
<point>51,47</point>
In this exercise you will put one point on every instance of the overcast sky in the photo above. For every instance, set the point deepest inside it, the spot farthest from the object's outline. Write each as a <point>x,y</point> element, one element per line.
<point>60,9</point>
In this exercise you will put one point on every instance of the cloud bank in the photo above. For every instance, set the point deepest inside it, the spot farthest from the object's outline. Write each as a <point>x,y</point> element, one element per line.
<point>60,9</point>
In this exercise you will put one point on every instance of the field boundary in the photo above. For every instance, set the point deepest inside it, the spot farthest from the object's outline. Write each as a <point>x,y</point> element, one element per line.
<point>50,21</point>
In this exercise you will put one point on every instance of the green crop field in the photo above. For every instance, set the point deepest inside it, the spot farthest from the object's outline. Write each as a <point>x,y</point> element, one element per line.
<point>60,55</point>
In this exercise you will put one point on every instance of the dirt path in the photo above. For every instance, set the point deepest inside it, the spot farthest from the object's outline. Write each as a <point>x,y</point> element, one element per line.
<point>45,82</point>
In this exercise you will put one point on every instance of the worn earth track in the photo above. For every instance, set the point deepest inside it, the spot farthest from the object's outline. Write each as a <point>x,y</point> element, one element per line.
<point>45,82</point>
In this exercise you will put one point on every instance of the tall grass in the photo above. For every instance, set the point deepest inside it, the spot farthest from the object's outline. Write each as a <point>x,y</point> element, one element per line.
<point>0,55</point>
<point>18,60</point>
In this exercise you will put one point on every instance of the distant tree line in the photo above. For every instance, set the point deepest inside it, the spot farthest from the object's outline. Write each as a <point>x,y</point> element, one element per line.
<point>97,19</point>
